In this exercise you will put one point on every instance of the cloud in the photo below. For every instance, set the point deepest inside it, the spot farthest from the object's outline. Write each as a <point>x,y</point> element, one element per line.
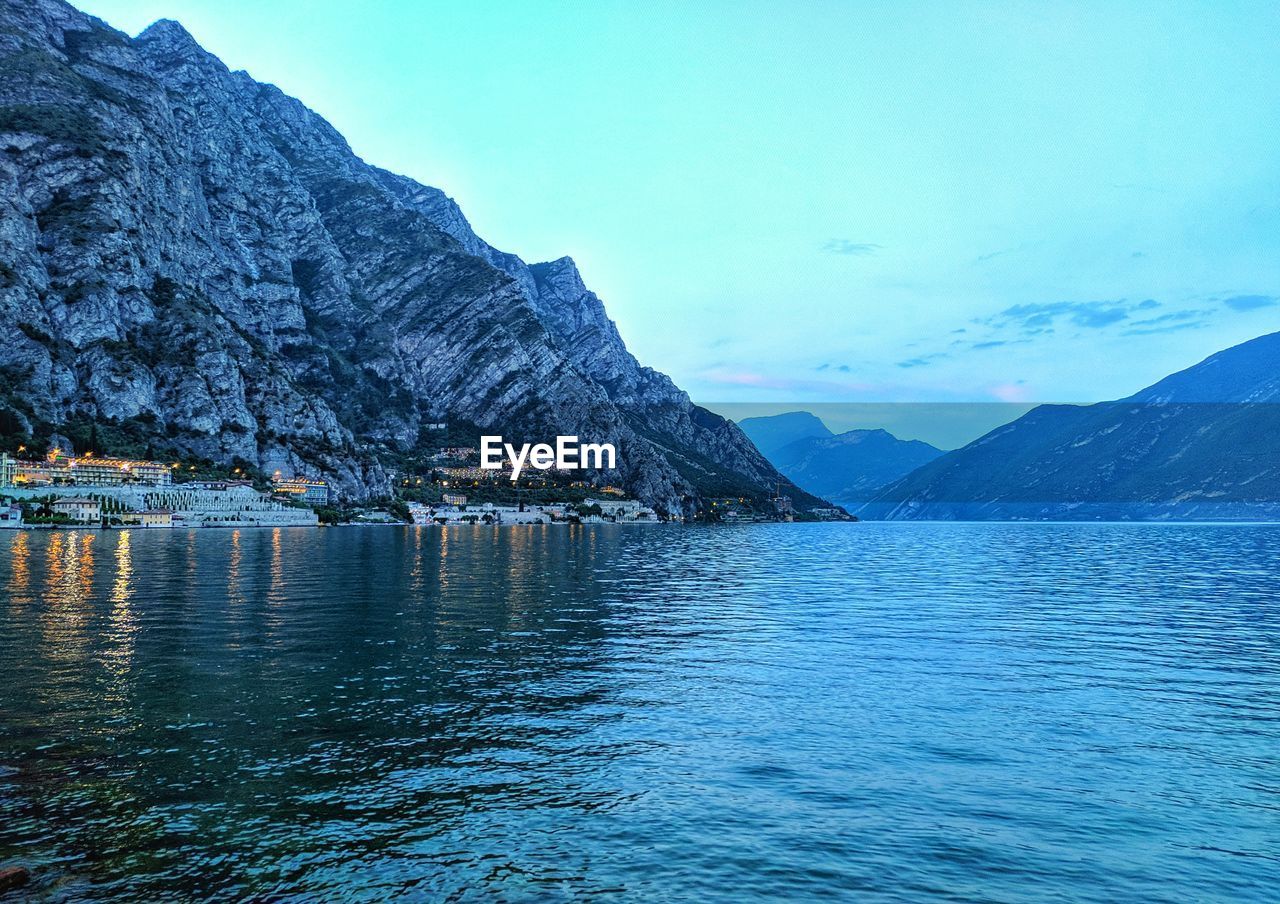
<point>1032,319</point>
<point>991,255</point>
<point>849,247</point>
<point>923,360</point>
<point>1169,323</point>
<point>1001,252</point>
<point>1097,319</point>
<point>991,343</point>
<point>1171,328</point>
<point>1250,302</point>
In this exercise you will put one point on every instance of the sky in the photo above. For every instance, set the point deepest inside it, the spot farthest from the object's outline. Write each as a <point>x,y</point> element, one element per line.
<point>831,201</point>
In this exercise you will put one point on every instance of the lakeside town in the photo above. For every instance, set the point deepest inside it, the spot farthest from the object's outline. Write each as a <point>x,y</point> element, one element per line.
<point>64,489</point>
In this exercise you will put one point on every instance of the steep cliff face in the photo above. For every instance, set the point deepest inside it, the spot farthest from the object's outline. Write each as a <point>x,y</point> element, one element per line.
<point>196,254</point>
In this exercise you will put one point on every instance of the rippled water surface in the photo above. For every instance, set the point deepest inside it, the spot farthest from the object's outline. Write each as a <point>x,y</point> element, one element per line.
<point>877,712</point>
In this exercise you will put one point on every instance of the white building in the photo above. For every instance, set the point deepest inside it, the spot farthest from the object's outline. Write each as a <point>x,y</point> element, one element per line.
<point>10,516</point>
<point>488,513</point>
<point>80,509</point>
<point>624,509</point>
<point>214,504</point>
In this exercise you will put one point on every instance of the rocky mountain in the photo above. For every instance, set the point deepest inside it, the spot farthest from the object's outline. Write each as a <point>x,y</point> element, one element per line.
<point>772,432</point>
<point>851,467</point>
<point>200,259</point>
<point>1203,443</point>
<point>847,467</point>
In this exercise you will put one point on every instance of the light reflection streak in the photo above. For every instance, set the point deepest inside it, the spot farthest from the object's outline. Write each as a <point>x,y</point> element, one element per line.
<point>234,594</point>
<point>122,589</point>
<point>69,566</point>
<point>124,620</point>
<point>416,575</point>
<point>445,533</point>
<point>277,566</point>
<point>19,568</point>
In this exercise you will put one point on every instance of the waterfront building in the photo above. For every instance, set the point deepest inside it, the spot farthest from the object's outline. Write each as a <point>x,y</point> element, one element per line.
<point>80,509</point>
<point>148,518</point>
<point>309,490</point>
<point>10,516</point>
<point>488,513</point>
<point>514,514</point>
<point>454,499</point>
<point>377,516</point>
<point>624,509</point>
<point>211,504</point>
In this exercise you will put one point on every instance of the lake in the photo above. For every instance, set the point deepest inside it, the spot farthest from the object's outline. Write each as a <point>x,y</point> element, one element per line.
<point>873,712</point>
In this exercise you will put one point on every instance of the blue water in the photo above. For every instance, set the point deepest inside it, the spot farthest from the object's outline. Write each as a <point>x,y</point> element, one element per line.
<point>870,712</point>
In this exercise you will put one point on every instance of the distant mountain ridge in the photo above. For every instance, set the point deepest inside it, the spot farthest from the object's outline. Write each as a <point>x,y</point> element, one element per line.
<point>851,467</point>
<point>772,432</point>
<point>1203,443</point>
<point>848,467</point>
<point>199,259</point>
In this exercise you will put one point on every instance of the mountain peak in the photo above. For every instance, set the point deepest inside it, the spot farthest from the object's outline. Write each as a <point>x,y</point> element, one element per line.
<point>562,272</point>
<point>171,38</point>
<point>771,432</point>
<point>166,29</point>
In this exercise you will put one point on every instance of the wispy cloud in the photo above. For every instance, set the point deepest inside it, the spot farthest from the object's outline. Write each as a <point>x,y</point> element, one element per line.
<point>1169,328</point>
<point>1169,323</point>
<point>1001,252</point>
<point>849,247</point>
<point>996,343</point>
<point>1250,302</point>
<point>991,255</point>
<point>1032,319</point>
<point>842,368</point>
<point>923,360</point>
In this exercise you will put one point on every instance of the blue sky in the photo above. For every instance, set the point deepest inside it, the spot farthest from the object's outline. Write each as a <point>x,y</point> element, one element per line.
<point>791,202</point>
